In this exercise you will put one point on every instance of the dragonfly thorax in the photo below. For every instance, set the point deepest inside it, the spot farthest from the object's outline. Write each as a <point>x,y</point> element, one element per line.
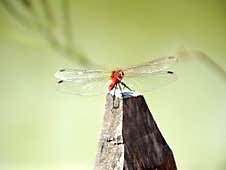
<point>116,76</point>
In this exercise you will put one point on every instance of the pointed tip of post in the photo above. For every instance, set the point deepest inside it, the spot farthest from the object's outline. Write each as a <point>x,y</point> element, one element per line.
<point>124,94</point>
<point>130,137</point>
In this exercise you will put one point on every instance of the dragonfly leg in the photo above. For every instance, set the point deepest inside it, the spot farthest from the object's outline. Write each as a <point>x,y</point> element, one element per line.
<point>125,86</point>
<point>120,88</point>
<point>114,91</point>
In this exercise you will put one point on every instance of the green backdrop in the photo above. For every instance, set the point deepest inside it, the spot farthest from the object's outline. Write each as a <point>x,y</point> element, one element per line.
<point>42,128</point>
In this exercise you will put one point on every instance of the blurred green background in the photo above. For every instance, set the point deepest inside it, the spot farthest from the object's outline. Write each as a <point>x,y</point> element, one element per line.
<point>42,128</point>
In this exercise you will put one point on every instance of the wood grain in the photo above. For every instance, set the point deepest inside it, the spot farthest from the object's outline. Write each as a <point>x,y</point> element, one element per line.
<point>130,138</point>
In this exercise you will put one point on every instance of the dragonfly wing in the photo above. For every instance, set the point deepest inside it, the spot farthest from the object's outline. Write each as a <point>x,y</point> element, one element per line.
<point>82,82</point>
<point>148,82</point>
<point>88,88</point>
<point>150,67</point>
<point>79,75</point>
<point>151,75</point>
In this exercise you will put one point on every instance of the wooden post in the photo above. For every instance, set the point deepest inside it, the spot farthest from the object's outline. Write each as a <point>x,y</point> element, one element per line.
<point>130,138</point>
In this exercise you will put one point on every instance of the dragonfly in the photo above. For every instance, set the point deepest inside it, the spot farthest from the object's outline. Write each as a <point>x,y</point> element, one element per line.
<point>96,81</point>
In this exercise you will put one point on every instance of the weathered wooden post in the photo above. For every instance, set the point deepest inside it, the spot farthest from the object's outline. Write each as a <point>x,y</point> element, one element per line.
<point>130,138</point>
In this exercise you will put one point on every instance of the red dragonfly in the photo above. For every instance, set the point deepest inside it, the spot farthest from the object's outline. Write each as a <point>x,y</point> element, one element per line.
<point>94,81</point>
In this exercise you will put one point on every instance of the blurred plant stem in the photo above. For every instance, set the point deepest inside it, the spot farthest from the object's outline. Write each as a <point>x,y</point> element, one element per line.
<point>59,36</point>
<point>11,9</point>
<point>50,21</point>
<point>67,26</point>
<point>189,54</point>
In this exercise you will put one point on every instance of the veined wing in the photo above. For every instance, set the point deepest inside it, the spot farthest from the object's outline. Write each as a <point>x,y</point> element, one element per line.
<point>149,82</point>
<point>154,66</point>
<point>82,82</point>
<point>80,75</point>
<point>151,75</point>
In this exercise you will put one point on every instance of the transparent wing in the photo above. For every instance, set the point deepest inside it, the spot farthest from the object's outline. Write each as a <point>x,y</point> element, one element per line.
<point>89,88</point>
<point>151,75</point>
<point>149,82</point>
<point>150,67</point>
<point>82,82</point>
<point>79,75</point>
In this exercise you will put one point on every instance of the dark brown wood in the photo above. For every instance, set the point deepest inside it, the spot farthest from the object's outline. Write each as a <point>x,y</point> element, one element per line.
<point>130,138</point>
